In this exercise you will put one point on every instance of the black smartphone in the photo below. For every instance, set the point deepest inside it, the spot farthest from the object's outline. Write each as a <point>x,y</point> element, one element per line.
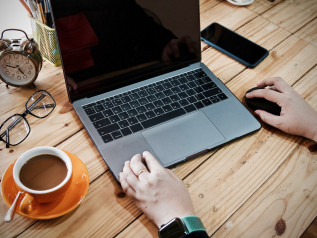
<point>234,45</point>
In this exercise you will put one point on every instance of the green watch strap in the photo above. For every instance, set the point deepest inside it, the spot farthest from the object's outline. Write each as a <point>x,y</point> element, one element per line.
<point>193,223</point>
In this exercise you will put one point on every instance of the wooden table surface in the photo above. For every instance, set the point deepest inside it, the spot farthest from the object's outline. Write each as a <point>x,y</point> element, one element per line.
<point>263,185</point>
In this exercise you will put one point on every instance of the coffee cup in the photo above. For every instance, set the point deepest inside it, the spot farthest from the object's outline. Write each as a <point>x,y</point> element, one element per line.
<point>43,174</point>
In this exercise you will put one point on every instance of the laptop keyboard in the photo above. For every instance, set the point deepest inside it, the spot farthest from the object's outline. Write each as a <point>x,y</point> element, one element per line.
<point>150,105</point>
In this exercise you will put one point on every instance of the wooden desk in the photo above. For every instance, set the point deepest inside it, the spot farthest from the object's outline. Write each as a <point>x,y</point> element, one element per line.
<point>263,185</point>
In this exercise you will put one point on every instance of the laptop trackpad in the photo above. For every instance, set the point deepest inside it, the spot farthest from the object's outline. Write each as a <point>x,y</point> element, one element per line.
<point>182,137</point>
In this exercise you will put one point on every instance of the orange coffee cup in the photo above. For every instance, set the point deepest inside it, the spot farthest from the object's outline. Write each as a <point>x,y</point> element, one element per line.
<point>41,156</point>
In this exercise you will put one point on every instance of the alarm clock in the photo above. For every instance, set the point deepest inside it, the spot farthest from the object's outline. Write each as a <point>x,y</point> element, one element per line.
<point>20,60</point>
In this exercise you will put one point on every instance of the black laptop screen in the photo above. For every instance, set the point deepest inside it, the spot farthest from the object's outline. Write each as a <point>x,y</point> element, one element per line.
<point>107,44</point>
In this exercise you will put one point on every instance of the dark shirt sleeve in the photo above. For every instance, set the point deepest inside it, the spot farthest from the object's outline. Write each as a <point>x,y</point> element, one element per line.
<point>197,234</point>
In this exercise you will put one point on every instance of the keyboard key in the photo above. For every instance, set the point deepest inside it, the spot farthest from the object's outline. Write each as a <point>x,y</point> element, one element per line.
<point>150,114</point>
<point>125,99</point>
<point>149,106</point>
<point>151,98</point>
<point>175,105</point>
<point>102,123</point>
<point>199,96</point>
<point>212,92</point>
<point>136,128</point>
<point>158,111</point>
<point>167,108</point>
<point>158,103</point>
<point>89,105</point>
<point>183,95</point>
<point>175,82</point>
<point>116,135</point>
<point>192,84</point>
<point>183,87</point>
<point>143,101</point>
<point>123,124</point>
<point>166,100</point>
<point>174,98</point>
<point>141,117</point>
<point>114,119</point>
<point>125,107</point>
<point>209,86</point>
<point>132,120</point>
<point>116,102</point>
<point>168,92</point>
<point>134,96</point>
<point>116,110</point>
<point>134,104</point>
<point>141,109</point>
<point>107,105</point>
<point>132,112</point>
<point>99,108</point>
<point>199,89</point>
<point>108,129</point>
<point>107,113</point>
<point>90,111</point>
<point>176,90</point>
<point>159,88</point>
<point>222,96</point>
<point>160,95</point>
<point>123,116</point>
<point>143,93</point>
<point>183,102</point>
<point>167,85</point>
<point>167,116</point>
<point>192,99</point>
<point>96,116</point>
<point>151,91</point>
<point>126,131</point>
<point>107,138</point>
<point>190,108</point>
<point>199,105</point>
<point>206,102</point>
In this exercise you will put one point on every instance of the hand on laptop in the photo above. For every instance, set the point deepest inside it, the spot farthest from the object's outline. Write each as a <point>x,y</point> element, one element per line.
<point>296,117</point>
<point>157,191</point>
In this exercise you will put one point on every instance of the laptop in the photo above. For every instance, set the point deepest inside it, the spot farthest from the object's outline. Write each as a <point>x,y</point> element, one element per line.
<point>134,76</point>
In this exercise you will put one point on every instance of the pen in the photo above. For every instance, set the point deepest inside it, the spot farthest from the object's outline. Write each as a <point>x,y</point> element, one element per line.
<point>39,6</point>
<point>26,7</point>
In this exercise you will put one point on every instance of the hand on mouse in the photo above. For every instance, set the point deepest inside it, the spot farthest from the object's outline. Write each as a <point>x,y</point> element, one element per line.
<point>296,117</point>
<point>157,191</point>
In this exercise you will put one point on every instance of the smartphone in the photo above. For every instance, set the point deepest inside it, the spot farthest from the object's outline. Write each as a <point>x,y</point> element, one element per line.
<point>234,45</point>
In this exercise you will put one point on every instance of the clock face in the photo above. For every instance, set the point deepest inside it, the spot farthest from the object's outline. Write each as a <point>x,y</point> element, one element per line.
<point>17,69</point>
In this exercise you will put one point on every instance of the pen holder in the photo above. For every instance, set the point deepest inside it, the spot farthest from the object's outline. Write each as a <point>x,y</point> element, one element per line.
<point>46,39</point>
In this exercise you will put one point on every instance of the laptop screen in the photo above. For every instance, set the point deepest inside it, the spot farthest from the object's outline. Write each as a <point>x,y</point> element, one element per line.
<point>107,44</point>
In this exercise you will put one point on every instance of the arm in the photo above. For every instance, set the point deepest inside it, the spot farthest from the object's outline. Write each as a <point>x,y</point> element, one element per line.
<point>296,117</point>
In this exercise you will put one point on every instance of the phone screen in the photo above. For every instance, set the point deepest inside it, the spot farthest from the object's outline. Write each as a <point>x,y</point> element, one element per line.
<point>234,45</point>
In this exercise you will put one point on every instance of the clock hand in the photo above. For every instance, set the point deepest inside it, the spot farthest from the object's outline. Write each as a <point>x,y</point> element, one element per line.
<point>11,66</point>
<point>20,70</point>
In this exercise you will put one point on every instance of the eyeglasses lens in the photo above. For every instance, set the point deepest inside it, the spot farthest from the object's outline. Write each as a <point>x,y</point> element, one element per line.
<point>40,104</point>
<point>18,130</point>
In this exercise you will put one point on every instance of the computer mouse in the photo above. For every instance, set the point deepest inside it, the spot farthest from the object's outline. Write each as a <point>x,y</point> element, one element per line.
<point>262,104</point>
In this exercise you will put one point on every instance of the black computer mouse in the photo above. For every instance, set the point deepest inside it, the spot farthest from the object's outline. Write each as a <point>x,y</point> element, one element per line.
<point>262,104</point>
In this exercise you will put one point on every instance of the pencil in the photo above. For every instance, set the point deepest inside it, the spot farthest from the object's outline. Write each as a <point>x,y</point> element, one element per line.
<point>26,7</point>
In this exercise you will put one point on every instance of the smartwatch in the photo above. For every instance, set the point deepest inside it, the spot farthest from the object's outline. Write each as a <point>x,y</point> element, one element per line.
<point>179,227</point>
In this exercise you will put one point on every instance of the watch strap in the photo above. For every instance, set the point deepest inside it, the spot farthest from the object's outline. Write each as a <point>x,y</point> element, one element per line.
<point>193,223</point>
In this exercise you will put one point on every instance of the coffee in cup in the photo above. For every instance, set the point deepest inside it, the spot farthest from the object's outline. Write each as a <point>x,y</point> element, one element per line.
<point>43,173</point>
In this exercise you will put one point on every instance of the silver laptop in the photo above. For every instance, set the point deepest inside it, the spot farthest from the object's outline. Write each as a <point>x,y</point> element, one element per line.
<point>134,75</point>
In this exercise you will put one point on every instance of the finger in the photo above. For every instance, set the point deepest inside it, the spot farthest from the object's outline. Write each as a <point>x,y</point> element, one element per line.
<point>138,166</point>
<point>151,162</point>
<point>129,175</point>
<point>268,94</point>
<point>276,82</point>
<point>269,118</point>
<point>126,187</point>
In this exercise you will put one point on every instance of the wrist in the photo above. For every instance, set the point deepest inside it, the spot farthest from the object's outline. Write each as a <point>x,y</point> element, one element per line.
<point>178,227</point>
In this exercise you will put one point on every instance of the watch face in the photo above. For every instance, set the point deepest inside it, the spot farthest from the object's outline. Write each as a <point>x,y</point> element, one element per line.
<point>17,69</point>
<point>174,228</point>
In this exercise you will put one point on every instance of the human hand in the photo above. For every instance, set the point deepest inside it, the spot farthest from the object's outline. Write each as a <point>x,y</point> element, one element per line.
<point>157,191</point>
<point>176,47</point>
<point>296,116</point>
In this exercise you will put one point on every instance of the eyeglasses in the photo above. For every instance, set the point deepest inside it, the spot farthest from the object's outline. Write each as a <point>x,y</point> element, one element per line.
<point>16,128</point>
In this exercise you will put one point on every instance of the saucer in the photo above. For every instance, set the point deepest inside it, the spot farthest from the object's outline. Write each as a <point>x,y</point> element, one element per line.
<point>243,3</point>
<point>73,196</point>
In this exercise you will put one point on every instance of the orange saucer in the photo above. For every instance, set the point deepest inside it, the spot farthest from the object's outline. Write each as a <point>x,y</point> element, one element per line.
<point>72,198</point>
